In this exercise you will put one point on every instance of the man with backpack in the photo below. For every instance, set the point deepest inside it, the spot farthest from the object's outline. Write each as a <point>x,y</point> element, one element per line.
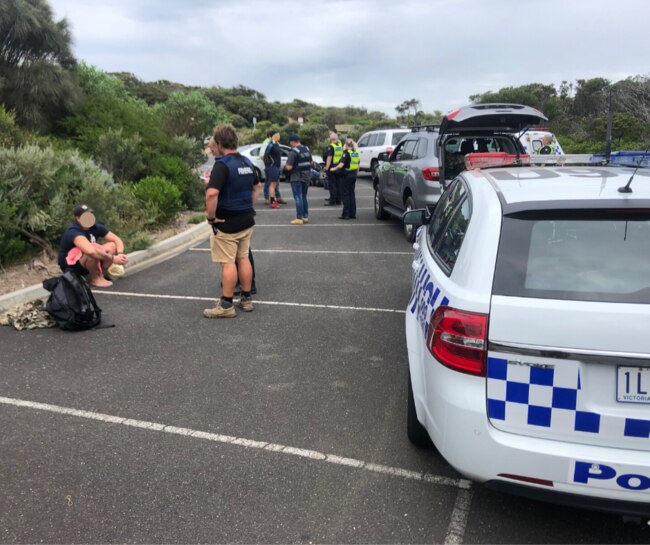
<point>229,203</point>
<point>81,252</point>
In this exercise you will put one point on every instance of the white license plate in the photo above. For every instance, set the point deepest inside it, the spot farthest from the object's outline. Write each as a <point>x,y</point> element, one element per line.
<point>633,385</point>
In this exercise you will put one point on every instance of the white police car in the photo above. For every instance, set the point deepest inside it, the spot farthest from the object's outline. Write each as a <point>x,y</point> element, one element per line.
<point>528,332</point>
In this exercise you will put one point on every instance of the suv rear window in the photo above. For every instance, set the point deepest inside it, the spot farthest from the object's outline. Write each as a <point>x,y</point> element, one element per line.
<point>576,255</point>
<point>397,136</point>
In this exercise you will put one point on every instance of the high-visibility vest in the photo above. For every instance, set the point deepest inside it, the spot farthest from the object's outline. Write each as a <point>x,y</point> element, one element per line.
<point>354,159</point>
<point>338,152</point>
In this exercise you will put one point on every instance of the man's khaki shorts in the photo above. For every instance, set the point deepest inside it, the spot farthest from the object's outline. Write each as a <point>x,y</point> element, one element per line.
<point>227,247</point>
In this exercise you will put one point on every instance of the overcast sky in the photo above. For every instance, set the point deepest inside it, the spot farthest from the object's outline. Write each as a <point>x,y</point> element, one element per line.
<point>367,53</point>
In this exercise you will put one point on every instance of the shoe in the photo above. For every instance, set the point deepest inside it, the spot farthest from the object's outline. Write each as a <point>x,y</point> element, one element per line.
<point>327,203</point>
<point>246,304</point>
<point>275,205</point>
<point>305,220</point>
<point>344,218</point>
<point>267,201</point>
<point>297,221</point>
<point>353,217</point>
<point>281,201</point>
<point>219,312</point>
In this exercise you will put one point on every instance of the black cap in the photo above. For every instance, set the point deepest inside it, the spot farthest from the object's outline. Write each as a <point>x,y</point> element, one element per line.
<point>271,133</point>
<point>293,137</point>
<point>80,209</point>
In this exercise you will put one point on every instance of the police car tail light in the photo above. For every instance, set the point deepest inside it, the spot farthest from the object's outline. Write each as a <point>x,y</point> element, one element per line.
<point>494,159</point>
<point>431,174</point>
<point>458,339</point>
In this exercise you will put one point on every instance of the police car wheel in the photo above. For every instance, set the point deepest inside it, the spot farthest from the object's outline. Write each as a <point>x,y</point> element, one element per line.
<point>416,432</point>
<point>380,213</point>
<point>409,230</point>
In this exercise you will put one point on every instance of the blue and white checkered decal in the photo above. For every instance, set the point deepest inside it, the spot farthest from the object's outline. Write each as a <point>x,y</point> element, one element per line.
<point>548,399</point>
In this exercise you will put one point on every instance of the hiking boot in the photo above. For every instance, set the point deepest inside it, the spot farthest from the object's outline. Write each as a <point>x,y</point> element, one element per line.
<point>267,201</point>
<point>282,201</point>
<point>246,304</point>
<point>297,221</point>
<point>219,312</point>
<point>305,220</point>
<point>274,204</point>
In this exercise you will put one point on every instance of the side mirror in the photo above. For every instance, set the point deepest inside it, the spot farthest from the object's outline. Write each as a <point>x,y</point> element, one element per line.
<point>383,156</point>
<point>415,217</point>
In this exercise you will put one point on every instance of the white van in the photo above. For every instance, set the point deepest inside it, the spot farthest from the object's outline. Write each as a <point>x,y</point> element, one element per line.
<point>532,140</point>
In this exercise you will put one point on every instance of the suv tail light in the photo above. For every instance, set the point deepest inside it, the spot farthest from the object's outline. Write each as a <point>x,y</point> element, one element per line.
<point>458,339</point>
<point>431,173</point>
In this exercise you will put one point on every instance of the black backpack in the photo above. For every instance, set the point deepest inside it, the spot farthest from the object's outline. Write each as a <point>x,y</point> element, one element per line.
<point>71,303</point>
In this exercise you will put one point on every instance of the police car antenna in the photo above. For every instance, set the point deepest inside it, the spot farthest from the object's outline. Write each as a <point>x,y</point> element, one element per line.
<point>626,188</point>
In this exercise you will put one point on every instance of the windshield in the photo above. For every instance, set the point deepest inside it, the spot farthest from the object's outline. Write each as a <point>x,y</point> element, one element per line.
<point>596,256</point>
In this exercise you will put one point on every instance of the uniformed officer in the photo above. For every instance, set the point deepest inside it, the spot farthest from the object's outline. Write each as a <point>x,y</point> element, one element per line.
<point>299,164</point>
<point>232,191</point>
<point>548,147</point>
<point>333,157</point>
<point>349,168</point>
<point>267,182</point>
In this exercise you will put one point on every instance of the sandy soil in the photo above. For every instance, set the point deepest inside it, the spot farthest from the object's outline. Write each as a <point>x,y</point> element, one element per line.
<point>39,268</point>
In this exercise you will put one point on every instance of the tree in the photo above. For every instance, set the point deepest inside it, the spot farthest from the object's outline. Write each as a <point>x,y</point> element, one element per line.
<point>190,114</point>
<point>407,111</point>
<point>37,68</point>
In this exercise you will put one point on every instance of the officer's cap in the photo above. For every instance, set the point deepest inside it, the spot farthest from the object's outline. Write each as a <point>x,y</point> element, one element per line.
<point>293,137</point>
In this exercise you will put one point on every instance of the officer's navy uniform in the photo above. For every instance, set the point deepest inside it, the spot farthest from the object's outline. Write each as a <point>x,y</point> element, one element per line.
<point>348,183</point>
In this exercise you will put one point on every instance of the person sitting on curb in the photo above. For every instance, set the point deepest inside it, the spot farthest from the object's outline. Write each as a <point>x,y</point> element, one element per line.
<point>80,251</point>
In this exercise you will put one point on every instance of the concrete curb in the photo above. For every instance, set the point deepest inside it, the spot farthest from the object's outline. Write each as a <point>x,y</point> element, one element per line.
<point>137,261</point>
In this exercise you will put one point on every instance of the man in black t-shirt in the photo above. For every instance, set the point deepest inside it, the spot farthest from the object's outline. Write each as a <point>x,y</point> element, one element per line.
<point>81,251</point>
<point>233,189</point>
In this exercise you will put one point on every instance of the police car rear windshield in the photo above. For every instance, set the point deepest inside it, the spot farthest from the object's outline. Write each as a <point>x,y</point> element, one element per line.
<point>581,256</point>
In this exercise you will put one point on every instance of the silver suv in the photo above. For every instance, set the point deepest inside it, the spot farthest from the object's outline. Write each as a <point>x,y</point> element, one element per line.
<point>430,157</point>
<point>372,143</point>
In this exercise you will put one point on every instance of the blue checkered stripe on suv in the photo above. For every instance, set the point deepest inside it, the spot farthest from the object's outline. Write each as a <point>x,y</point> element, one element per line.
<point>549,398</point>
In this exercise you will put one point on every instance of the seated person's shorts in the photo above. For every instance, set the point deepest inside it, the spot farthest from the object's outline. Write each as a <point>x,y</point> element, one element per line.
<point>228,247</point>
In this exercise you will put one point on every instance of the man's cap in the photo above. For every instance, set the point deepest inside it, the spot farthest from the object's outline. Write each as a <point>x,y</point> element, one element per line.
<point>80,209</point>
<point>293,137</point>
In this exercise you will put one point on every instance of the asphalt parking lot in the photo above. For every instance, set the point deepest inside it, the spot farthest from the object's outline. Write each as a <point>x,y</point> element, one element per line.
<point>284,425</point>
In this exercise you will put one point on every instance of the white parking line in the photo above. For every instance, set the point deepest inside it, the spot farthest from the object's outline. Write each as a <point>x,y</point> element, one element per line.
<point>459,517</point>
<point>276,303</point>
<point>462,484</point>
<point>348,223</point>
<point>314,252</point>
<point>293,210</point>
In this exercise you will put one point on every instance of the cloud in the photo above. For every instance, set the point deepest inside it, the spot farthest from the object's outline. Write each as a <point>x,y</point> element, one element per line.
<point>367,53</point>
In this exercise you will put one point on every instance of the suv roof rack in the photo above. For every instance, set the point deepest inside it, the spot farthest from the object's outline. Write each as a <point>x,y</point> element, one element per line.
<point>428,128</point>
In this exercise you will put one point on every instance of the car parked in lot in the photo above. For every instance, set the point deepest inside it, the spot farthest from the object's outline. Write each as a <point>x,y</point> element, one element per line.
<point>255,152</point>
<point>417,170</point>
<point>372,143</point>
<point>527,332</point>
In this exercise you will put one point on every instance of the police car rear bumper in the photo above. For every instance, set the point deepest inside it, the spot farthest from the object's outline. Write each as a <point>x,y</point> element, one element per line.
<point>453,410</point>
<point>619,507</point>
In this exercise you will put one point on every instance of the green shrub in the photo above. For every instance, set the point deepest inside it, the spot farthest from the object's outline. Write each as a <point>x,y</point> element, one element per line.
<point>39,187</point>
<point>161,194</point>
<point>137,241</point>
<point>12,246</point>
<point>196,219</point>
<point>176,171</point>
<point>120,155</point>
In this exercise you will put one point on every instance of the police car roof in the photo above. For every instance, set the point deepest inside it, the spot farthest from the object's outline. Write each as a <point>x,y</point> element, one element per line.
<point>521,188</point>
